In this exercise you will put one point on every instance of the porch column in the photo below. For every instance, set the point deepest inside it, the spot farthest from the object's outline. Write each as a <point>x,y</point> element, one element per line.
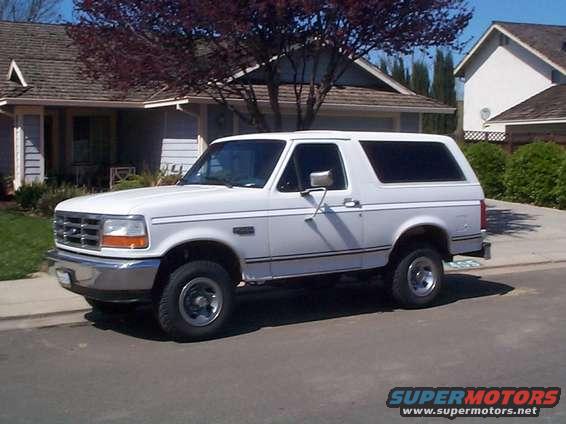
<point>29,156</point>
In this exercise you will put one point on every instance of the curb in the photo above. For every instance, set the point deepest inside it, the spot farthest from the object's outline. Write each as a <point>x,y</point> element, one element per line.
<point>44,315</point>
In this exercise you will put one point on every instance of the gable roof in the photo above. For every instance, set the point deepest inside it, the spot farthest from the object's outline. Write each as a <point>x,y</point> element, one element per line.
<point>544,41</point>
<point>548,105</point>
<point>47,62</point>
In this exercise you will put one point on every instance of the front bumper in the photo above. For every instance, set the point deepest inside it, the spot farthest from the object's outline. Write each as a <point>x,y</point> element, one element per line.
<point>105,279</point>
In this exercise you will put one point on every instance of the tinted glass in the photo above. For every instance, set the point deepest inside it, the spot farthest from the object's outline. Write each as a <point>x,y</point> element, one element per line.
<point>408,162</point>
<point>309,158</point>
<point>244,163</point>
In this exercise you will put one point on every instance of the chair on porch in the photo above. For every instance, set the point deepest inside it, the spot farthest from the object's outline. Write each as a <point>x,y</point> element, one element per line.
<point>120,173</point>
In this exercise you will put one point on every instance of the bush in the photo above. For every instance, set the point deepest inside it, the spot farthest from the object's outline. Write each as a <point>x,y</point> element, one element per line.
<point>532,174</point>
<point>28,195</point>
<point>147,179</point>
<point>56,194</point>
<point>561,186</point>
<point>489,162</point>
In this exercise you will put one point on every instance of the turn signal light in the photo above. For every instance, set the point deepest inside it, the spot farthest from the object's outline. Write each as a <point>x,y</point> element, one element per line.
<point>128,242</point>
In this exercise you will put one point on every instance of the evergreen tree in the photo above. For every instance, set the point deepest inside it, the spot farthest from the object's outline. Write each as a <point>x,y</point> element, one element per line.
<point>398,72</point>
<point>450,92</point>
<point>420,84</point>
<point>383,65</point>
<point>444,89</point>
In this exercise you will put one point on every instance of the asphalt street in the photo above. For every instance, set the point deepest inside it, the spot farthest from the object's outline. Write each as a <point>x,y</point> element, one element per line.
<point>293,356</point>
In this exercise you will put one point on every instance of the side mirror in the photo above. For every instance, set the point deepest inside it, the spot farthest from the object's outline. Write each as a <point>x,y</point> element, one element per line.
<point>321,179</point>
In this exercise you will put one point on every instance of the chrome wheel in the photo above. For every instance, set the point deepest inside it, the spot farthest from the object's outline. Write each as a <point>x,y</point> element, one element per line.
<point>422,276</point>
<point>200,301</point>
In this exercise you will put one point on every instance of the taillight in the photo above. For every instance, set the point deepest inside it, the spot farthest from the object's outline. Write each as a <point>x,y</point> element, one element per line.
<point>483,212</point>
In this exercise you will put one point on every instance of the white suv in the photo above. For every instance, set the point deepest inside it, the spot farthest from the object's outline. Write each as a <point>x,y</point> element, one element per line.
<point>263,207</point>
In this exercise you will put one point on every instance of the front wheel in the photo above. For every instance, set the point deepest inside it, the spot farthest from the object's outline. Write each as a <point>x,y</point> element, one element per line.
<point>417,276</point>
<point>196,302</point>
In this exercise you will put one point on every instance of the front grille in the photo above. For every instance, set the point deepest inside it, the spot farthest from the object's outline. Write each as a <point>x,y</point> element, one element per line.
<point>78,230</point>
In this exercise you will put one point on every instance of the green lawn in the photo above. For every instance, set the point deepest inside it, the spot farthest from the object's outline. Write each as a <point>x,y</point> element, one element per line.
<point>23,242</point>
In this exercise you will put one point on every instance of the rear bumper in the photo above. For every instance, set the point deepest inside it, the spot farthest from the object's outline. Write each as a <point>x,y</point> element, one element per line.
<point>484,252</point>
<point>105,279</point>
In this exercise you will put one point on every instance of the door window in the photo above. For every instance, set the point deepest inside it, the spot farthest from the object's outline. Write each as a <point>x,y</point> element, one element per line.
<point>308,158</point>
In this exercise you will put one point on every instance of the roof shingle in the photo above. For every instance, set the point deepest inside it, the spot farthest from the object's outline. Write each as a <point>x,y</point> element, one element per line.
<point>549,104</point>
<point>48,60</point>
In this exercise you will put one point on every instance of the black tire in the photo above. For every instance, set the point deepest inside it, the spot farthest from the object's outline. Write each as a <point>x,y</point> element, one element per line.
<point>416,295</point>
<point>171,318</point>
<point>111,307</point>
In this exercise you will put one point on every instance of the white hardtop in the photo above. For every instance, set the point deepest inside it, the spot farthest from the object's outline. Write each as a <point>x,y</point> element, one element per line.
<point>338,135</point>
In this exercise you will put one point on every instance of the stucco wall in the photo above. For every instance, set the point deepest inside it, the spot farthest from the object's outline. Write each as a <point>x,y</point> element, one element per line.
<point>6,146</point>
<point>499,77</point>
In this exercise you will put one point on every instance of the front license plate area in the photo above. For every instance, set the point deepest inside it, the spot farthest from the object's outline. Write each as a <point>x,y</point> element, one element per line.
<point>64,277</point>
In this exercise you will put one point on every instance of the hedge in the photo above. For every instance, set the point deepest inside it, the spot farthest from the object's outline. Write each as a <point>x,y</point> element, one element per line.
<point>489,163</point>
<point>532,174</point>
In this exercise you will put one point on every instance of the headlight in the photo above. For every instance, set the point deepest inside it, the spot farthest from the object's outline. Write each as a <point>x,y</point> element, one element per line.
<point>124,233</point>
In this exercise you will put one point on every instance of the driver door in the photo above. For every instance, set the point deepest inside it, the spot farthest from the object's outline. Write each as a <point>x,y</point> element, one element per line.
<point>332,240</point>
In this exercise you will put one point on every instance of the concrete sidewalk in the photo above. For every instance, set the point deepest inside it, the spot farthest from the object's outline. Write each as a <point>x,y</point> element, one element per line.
<point>520,235</point>
<point>38,301</point>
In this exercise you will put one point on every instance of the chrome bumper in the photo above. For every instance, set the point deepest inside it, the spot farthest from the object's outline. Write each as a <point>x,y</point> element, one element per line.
<point>113,280</point>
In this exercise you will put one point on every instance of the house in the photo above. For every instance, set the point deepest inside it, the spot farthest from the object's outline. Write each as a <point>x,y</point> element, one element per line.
<point>54,123</point>
<point>514,79</point>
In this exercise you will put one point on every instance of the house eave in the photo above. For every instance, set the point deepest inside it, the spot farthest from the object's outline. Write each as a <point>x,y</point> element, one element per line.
<point>458,72</point>
<point>76,103</point>
<point>206,100</point>
<point>529,121</point>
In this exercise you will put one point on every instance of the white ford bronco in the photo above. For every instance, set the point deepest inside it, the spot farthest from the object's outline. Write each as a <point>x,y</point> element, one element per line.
<point>262,207</point>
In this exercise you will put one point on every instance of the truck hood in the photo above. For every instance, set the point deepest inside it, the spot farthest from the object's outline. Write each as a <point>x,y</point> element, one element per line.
<point>141,200</point>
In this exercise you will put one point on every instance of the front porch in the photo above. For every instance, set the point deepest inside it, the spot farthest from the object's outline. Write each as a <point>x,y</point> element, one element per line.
<point>81,145</point>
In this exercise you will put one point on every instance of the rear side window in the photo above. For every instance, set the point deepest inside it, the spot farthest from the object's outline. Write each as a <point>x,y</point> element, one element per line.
<point>309,158</point>
<point>412,162</point>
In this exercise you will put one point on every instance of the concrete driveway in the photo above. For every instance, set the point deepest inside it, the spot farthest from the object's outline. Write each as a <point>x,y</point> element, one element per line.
<point>524,234</point>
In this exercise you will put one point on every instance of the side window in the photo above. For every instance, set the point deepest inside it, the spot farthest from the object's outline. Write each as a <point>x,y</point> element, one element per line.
<point>307,158</point>
<point>411,161</point>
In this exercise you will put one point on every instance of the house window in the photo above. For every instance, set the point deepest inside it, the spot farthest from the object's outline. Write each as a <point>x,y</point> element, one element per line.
<point>555,76</point>
<point>503,40</point>
<point>91,139</point>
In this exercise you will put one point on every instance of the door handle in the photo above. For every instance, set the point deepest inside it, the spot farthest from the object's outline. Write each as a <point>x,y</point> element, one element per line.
<point>350,203</point>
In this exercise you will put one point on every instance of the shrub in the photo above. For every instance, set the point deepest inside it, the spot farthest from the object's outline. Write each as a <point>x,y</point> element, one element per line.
<point>561,186</point>
<point>147,179</point>
<point>489,162</point>
<point>56,194</point>
<point>28,195</point>
<point>532,173</point>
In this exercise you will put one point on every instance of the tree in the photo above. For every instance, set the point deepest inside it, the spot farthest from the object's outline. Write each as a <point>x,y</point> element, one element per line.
<point>399,72</point>
<point>30,10</point>
<point>444,89</point>
<point>212,47</point>
<point>420,84</point>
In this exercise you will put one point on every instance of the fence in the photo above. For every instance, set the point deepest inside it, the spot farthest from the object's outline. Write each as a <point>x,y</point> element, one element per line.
<point>511,141</point>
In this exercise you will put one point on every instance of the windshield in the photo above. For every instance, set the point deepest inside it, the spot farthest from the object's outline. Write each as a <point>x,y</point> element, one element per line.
<point>242,163</point>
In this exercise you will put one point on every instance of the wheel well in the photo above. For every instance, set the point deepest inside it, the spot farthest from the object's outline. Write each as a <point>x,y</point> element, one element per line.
<point>197,250</point>
<point>426,234</point>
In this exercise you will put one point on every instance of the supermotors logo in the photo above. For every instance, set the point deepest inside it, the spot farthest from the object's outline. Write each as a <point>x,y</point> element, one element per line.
<point>452,402</point>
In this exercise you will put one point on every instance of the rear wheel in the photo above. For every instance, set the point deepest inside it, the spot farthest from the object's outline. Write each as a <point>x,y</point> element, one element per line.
<point>111,307</point>
<point>416,276</point>
<point>196,302</point>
